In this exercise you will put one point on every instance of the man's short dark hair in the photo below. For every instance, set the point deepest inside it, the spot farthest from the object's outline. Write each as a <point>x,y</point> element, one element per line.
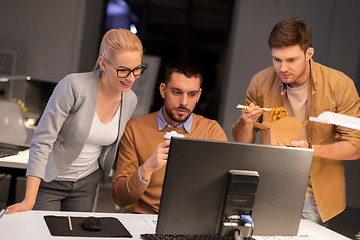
<point>183,66</point>
<point>291,32</point>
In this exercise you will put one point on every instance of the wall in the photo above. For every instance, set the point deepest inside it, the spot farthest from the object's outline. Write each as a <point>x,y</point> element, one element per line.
<point>336,39</point>
<point>51,38</point>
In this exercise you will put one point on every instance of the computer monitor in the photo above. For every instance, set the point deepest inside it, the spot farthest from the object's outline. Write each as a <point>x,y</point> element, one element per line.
<point>196,176</point>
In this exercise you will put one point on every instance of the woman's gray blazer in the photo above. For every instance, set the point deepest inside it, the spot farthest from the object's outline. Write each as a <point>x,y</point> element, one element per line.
<point>65,126</point>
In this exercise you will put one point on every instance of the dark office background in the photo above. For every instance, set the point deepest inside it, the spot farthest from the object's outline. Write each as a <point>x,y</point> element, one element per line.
<point>197,30</point>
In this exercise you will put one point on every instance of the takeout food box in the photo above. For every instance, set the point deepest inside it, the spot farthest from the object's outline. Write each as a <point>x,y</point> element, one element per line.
<point>285,130</point>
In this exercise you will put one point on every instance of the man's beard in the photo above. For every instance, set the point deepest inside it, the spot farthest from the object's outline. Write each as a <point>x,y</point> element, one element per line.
<point>175,118</point>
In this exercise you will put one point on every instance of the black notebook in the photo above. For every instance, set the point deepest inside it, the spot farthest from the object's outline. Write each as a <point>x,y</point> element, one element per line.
<point>110,227</point>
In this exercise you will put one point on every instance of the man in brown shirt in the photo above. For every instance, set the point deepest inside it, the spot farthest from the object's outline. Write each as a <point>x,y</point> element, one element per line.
<point>143,150</point>
<point>306,88</point>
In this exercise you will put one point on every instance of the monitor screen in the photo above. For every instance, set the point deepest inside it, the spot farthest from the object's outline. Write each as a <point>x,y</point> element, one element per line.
<point>196,176</point>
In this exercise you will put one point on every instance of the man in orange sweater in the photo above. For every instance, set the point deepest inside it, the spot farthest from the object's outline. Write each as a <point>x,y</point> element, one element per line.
<point>143,150</point>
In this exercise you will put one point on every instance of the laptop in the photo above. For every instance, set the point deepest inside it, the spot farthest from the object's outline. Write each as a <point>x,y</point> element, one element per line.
<point>195,179</point>
<point>9,149</point>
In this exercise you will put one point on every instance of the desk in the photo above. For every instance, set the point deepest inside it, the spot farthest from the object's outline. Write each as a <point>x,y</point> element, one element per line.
<point>16,166</point>
<point>18,161</point>
<point>31,225</point>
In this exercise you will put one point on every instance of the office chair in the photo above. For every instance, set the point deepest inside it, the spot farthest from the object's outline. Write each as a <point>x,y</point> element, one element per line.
<point>12,127</point>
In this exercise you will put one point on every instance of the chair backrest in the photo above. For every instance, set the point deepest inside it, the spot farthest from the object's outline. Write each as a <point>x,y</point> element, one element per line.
<point>12,127</point>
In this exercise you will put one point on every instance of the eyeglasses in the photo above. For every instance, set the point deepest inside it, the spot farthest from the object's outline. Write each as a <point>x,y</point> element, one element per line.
<point>124,72</point>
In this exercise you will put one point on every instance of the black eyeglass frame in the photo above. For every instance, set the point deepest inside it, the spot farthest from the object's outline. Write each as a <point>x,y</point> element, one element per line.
<point>142,69</point>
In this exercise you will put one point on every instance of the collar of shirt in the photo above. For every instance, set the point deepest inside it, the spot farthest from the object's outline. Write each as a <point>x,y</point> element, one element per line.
<point>162,123</point>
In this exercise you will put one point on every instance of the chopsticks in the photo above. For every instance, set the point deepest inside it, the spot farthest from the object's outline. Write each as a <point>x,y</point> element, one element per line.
<point>243,106</point>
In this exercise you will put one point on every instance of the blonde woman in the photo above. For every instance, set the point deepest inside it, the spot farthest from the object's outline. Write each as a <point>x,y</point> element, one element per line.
<point>75,143</point>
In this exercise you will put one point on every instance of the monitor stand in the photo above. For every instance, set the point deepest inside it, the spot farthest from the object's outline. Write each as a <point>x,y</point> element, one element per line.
<point>238,203</point>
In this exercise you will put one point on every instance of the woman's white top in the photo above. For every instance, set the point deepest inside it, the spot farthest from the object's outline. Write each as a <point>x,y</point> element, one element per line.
<point>87,162</point>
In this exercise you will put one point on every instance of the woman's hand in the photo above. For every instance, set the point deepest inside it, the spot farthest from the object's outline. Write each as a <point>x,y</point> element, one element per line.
<point>20,207</point>
<point>32,187</point>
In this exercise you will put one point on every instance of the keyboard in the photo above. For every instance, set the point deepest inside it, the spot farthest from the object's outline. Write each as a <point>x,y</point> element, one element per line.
<point>8,149</point>
<point>157,236</point>
<point>6,152</point>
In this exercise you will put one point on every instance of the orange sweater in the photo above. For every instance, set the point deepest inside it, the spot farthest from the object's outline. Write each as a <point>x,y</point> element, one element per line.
<point>139,140</point>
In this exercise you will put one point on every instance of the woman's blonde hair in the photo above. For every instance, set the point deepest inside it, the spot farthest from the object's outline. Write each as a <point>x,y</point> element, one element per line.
<point>117,41</point>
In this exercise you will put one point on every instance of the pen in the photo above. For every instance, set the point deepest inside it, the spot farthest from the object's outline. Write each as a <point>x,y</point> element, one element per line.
<point>2,212</point>
<point>70,225</point>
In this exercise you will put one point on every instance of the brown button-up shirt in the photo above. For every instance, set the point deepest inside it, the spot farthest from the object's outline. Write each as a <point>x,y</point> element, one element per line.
<point>329,90</point>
